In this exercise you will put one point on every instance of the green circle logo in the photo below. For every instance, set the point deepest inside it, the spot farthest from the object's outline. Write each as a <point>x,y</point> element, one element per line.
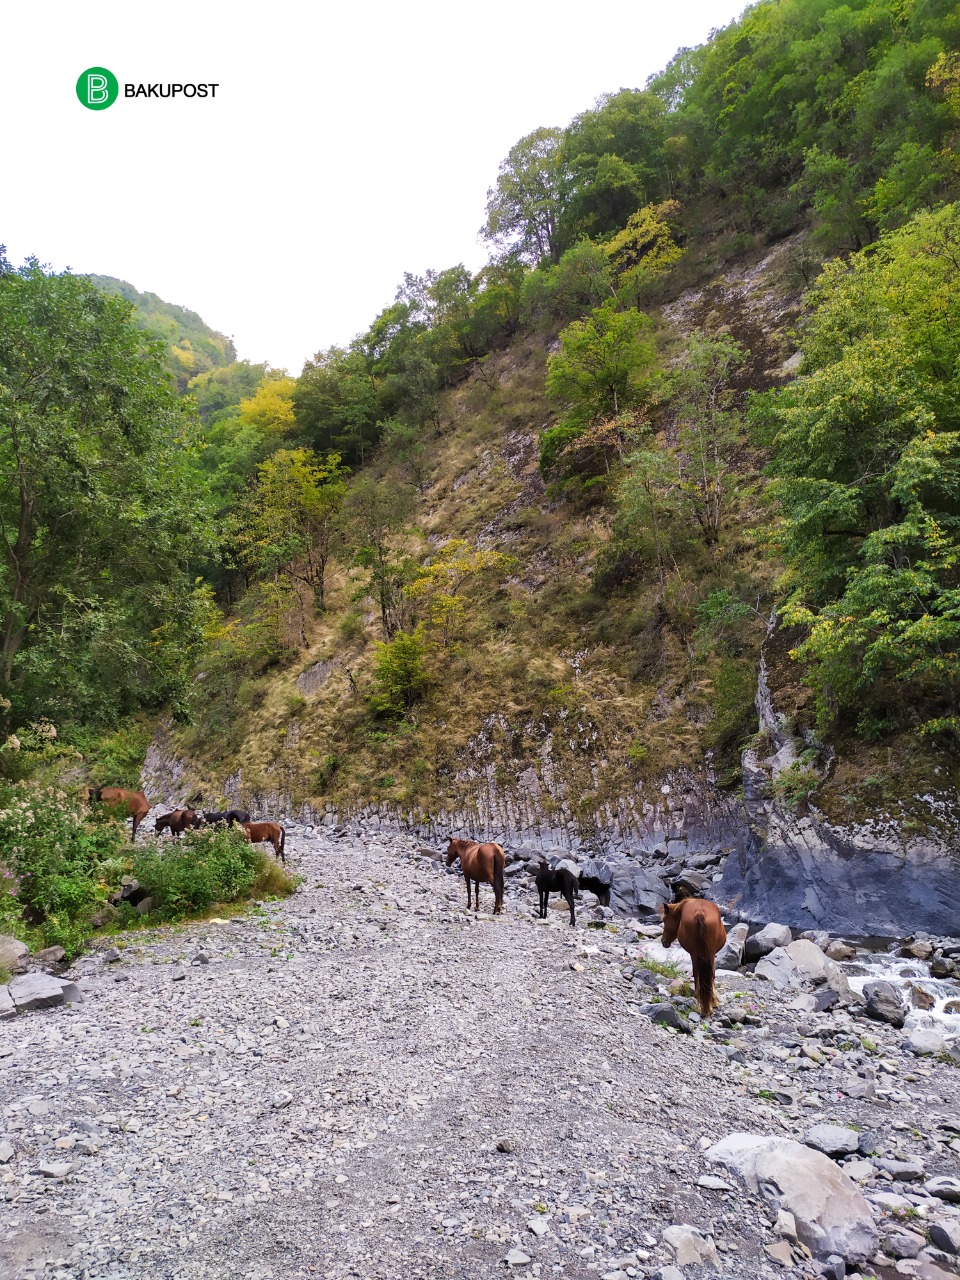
<point>97,88</point>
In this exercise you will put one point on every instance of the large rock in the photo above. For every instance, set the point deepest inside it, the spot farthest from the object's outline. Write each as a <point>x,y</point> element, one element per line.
<point>766,940</point>
<point>884,1003</point>
<point>730,954</point>
<point>637,891</point>
<point>13,954</point>
<point>802,962</point>
<point>832,1216</point>
<point>850,880</point>
<point>36,991</point>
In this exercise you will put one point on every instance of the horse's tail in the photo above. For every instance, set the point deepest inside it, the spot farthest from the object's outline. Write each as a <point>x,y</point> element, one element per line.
<point>703,972</point>
<point>498,861</point>
<point>283,842</point>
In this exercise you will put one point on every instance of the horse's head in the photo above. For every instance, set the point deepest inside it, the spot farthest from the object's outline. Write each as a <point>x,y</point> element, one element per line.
<point>671,922</point>
<point>94,793</point>
<point>452,851</point>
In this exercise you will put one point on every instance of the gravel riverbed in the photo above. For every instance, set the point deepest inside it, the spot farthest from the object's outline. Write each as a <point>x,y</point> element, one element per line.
<point>366,1081</point>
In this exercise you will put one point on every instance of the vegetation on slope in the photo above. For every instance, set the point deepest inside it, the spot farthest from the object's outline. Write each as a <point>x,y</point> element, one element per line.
<point>523,522</point>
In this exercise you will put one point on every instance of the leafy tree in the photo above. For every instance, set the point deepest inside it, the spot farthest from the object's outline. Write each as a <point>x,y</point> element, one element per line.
<point>866,455</point>
<point>602,365</point>
<point>338,406</point>
<point>218,392</point>
<point>270,408</point>
<point>373,515</point>
<point>291,517</point>
<point>440,584</point>
<point>708,429</point>
<point>100,513</point>
<point>567,290</point>
<point>525,211</point>
<point>646,248</point>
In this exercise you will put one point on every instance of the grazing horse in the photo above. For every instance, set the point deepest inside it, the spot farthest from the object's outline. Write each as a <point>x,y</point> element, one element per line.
<point>138,806</point>
<point>260,832</point>
<point>595,885</point>
<point>479,862</point>
<point>556,880</point>
<point>228,818</point>
<point>696,922</point>
<point>177,822</point>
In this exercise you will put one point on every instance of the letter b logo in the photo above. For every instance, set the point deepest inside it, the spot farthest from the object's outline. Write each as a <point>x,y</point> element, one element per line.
<point>97,88</point>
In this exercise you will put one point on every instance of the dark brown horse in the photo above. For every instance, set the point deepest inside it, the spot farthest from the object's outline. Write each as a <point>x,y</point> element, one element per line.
<point>177,822</point>
<point>261,832</point>
<point>696,922</point>
<point>479,862</point>
<point>138,806</point>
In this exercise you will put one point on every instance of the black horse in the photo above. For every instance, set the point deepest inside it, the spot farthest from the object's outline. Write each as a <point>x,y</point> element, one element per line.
<point>227,818</point>
<point>556,880</point>
<point>595,885</point>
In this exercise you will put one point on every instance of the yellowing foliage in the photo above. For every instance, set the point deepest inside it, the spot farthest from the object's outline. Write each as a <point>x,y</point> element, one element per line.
<point>270,408</point>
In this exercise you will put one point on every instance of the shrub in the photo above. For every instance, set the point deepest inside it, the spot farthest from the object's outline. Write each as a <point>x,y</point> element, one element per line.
<point>399,673</point>
<point>205,867</point>
<point>63,862</point>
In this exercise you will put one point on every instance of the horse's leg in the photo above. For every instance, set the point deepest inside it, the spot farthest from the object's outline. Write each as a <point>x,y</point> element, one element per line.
<point>467,878</point>
<point>476,896</point>
<point>573,915</point>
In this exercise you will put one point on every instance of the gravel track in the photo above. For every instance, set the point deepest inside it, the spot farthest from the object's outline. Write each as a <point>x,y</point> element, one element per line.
<point>326,1094</point>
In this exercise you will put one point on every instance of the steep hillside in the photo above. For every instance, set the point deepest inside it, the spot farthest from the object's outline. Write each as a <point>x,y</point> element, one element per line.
<point>193,347</point>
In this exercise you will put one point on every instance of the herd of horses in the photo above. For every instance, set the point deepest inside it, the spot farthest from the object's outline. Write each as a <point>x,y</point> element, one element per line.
<point>694,922</point>
<point>180,820</point>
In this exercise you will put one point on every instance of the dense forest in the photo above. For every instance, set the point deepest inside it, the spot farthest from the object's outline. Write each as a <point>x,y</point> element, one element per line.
<point>187,534</point>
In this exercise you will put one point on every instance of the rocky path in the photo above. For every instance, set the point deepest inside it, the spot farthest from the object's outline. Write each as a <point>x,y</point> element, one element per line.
<point>364,1081</point>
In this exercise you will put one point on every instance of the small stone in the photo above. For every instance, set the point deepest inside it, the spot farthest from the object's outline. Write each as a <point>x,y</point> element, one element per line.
<point>517,1258</point>
<point>6,1152</point>
<point>787,1225</point>
<point>691,1246</point>
<point>49,956</point>
<point>902,1170</point>
<point>538,1226</point>
<point>781,1252</point>
<point>58,1169</point>
<point>766,940</point>
<point>669,1273</point>
<point>505,1145</point>
<point>178,975</point>
<point>281,1099</point>
<point>883,1003</point>
<point>710,1182</point>
<point>111,956</point>
<point>902,1244</point>
<point>200,958</point>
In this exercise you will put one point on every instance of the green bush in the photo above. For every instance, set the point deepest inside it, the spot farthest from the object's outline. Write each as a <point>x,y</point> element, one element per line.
<point>63,862</point>
<point>203,867</point>
<point>399,672</point>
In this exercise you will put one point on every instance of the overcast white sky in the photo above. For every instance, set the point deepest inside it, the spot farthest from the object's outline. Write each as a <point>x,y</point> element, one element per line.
<point>346,144</point>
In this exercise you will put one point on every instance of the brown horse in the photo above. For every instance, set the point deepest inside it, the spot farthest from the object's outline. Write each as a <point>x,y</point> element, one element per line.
<point>479,862</point>
<point>260,832</point>
<point>138,806</point>
<point>177,822</point>
<point>696,922</point>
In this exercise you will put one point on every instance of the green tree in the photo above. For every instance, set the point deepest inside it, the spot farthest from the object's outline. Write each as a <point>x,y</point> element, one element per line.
<point>374,513</point>
<point>100,512</point>
<point>525,211</point>
<point>338,405</point>
<point>866,455</point>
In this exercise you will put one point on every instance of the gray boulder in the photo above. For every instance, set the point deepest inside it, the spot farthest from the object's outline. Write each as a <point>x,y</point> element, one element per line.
<point>634,891</point>
<point>730,955</point>
<point>884,1003</point>
<point>944,1188</point>
<point>766,940</point>
<point>832,1217</point>
<point>832,1139</point>
<point>13,953</point>
<point>691,1247</point>
<point>799,963</point>
<point>36,991</point>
